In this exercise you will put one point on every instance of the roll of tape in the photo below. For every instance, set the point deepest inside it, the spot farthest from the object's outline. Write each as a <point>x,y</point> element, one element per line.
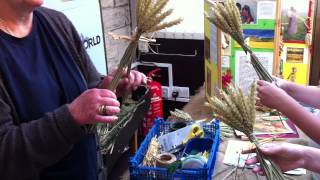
<point>165,159</point>
<point>193,162</point>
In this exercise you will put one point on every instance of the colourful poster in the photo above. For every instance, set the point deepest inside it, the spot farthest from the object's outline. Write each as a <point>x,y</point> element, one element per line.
<point>295,53</point>
<point>257,38</point>
<point>248,11</point>
<point>293,20</point>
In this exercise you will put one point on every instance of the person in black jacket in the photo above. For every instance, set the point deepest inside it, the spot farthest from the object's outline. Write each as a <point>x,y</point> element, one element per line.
<point>49,93</point>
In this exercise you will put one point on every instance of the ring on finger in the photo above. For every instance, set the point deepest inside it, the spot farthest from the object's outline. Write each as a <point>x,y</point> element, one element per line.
<point>102,109</point>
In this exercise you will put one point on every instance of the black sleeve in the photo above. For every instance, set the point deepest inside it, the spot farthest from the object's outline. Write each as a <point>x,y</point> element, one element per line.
<point>27,148</point>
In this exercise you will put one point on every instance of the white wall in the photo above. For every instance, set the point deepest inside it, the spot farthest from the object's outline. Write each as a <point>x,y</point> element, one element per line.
<point>86,17</point>
<point>192,26</point>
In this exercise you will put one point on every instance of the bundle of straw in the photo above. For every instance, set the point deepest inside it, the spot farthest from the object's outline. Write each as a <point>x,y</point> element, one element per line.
<point>227,18</point>
<point>150,18</point>
<point>108,134</point>
<point>152,152</point>
<point>180,115</point>
<point>238,111</point>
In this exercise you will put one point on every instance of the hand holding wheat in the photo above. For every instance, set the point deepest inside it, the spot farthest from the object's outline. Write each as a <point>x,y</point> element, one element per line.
<point>238,111</point>
<point>150,18</point>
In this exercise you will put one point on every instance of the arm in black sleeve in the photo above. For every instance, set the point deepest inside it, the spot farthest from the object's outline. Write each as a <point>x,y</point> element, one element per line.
<point>27,148</point>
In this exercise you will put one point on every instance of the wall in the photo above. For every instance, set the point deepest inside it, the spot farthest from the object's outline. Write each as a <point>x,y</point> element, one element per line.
<point>192,26</point>
<point>117,19</point>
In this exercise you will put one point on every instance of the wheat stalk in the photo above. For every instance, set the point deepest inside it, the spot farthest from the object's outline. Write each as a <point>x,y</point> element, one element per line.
<point>150,18</point>
<point>227,18</point>
<point>238,111</point>
<point>180,115</point>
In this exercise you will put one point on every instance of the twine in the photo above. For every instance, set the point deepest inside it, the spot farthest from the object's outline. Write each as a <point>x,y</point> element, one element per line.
<point>131,38</point>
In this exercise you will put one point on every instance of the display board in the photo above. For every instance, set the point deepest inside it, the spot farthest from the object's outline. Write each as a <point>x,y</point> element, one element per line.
<point>259,29</point>
<point>279,32</point>
<point>296,23</point>
<point>86,17</point>
<point>228,62</point>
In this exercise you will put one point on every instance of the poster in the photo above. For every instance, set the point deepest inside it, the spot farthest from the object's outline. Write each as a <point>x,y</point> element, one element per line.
<point>293,20</point>
<point>295,53</point>
<point>296,63</point>
<point>245,73</point>
<point>248,11</point>
<point>272,127</point>
<point>257,38</point>
<point>86,17</point>
<point>266,10</point>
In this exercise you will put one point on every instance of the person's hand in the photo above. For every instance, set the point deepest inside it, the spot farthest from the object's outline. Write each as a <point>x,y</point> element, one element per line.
<point>281,83</point>
<point>269,94</point>
<point>86,109</point>
<point>127,83</point>
<point>287,156</point>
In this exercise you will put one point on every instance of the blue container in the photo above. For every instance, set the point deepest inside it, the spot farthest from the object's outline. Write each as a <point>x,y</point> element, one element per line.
<point>137,171</point>
<point>198,144</point>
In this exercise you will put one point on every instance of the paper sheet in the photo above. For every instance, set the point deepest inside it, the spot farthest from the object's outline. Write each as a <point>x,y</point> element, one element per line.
<point>245,73</point>
<point>266,10</point>
<point>233,154</point>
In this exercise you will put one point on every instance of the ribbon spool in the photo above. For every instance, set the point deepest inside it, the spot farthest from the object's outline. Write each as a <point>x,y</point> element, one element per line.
<point>165,159</point>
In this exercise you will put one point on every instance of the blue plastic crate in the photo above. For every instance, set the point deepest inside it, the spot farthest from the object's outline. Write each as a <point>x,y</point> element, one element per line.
<point>137,171</point>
